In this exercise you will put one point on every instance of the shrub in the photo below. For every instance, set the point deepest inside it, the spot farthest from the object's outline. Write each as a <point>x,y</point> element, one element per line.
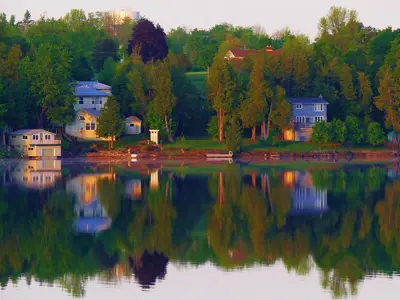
<point>354,132</point>
<point>233,136</point>
<point>212,128</point>
<point>320,133</point>
<point>337,131</point>
<point>375,134</point>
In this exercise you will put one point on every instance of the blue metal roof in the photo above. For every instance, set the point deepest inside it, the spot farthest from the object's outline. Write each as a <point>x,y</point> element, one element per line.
<point>319,100</point>
<point>94,84</point>
<point>85,90</point>
<point>92,224</point>
<point>91,111</point>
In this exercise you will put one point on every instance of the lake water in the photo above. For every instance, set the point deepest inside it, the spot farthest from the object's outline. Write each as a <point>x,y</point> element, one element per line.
<point>177,231</point>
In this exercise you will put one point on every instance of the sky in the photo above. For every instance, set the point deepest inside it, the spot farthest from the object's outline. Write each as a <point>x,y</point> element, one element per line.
<point>300,16</point>
<point>208,282</point>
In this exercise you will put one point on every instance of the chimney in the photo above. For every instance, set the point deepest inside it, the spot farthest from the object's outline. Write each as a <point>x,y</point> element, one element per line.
<point>269,48</point>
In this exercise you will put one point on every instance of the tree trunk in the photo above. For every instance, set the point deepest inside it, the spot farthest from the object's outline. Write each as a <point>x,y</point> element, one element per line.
<point>263,135</point>
<point>253,133</point>
<point>221,125</point>
<point>41,119</point>
<point>221,189</point>
<point>167,128</point>
<point>269,193</point>
<point>269,120</point>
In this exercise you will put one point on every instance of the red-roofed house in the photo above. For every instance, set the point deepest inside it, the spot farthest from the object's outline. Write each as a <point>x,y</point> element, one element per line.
<point>241,54</point>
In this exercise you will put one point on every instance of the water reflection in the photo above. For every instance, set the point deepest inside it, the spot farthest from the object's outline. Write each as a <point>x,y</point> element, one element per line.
<point>113,222</point>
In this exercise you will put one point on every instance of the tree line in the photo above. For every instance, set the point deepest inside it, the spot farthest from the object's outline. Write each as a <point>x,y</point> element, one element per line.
<point>355,67</point>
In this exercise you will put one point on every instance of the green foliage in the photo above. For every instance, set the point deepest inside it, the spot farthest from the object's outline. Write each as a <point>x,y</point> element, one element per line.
<point>212,128</point>
<point>337,131</point>
<point>354,132</point>
<point>105,48</point>
<point>375,134</point>
<point>233,136</point>
<point>108,71</point>
<point>320,133</point>
<point>110,123</point>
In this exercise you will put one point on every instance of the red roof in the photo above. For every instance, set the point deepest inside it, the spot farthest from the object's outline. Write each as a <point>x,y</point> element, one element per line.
<point>240,54</point>
<point>133,119</point>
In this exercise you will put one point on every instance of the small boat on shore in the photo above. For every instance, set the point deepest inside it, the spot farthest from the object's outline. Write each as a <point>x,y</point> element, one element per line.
<point>220,155</point>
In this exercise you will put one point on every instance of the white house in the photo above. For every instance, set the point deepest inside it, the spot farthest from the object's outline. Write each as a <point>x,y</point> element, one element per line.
<point>91,98</point>
<point>35,143</point>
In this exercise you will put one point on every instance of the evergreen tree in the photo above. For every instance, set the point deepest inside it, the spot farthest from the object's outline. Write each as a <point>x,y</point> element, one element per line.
<point>233,134</point>
<point>110,123</point>
<point>253,108</point>
<point>149,40</point>
<point>280,110</point>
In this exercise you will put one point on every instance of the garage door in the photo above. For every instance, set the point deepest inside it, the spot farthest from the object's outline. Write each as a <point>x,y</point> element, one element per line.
<point>48,152</point>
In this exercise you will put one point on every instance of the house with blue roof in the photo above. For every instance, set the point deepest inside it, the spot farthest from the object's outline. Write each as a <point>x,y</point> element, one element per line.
<point>305,113</point>
<point>91,98</point>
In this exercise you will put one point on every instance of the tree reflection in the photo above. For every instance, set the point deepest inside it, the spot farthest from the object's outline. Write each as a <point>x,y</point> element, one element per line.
<point>234,217</point>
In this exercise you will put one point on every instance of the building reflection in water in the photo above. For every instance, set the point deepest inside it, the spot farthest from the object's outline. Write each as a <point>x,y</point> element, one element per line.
<point>34,174</point>
<point>133,189</point>
<point>307,199</point>
<point>92,217</point>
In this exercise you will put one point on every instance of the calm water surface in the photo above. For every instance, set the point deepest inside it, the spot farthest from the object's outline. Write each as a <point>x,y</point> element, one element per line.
<point>225,231</point>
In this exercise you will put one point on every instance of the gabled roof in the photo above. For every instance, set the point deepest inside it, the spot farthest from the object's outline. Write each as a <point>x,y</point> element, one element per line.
<point>133,119</point>
<point>30,131</point>
<point>95,84</point>
<point>91,111</point>
<point>238,53</point>
<point>319,100</point>
<point>85,90</point>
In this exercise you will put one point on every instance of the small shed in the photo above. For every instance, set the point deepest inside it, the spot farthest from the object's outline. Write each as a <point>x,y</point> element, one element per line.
<point>133,125</point>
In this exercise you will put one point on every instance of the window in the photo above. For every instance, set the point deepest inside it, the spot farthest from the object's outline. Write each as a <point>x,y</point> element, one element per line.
<point>97,100</point>
<point>300,119</point>
<point>13,136</point>
<point>93,126</point>
<point>81,100</point>
<point>35,137</point>
<point>101,101</point>
<point>318,107</point>
<point>87,126</point>
<point>81,118</point>
<point>47,137</point>
<point>30,149</point>
<point>92,101</point>
<point>299,106</point>
<point>318,119</point>
<point>24,137</point>
<point>131,125</point>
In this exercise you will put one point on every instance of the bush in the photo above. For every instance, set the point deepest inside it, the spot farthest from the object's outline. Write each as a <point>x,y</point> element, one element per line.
<point>320,133</point>
<point>354,132</point>
<point>337,131</point>
<point>375,134</point>
<point>233,136</point>
<point>212,128</point>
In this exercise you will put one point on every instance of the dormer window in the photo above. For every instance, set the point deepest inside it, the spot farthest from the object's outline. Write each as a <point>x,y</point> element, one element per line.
<point>81,118</point>
<point>299,106</point>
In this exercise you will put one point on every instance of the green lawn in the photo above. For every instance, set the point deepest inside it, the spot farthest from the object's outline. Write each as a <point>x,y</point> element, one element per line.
<point>199,81</point>
<point>249,145</point>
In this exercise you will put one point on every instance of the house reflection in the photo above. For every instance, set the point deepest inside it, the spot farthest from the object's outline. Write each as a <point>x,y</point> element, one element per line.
<point>133,189</point>
<point>92,217</point>
<point>154,179</point>
<point>307,199</point>
<point>35,174</point>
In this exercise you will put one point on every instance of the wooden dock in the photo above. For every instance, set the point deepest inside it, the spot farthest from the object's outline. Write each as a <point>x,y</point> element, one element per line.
<point>219,155</point>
